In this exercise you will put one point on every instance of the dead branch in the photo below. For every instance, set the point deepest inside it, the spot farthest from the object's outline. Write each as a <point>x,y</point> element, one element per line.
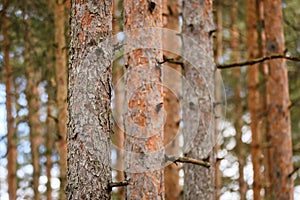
<point>257,60</point>
<point>187,160</point>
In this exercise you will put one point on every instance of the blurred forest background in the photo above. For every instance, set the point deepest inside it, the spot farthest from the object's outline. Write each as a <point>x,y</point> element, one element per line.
<point>33,93</point>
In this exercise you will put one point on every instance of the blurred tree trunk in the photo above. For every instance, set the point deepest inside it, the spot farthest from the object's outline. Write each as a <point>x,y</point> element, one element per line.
<point>49,140</point>
<point>89,127</point>
<point>34,103</point>
<point>172,93</point>
<point>263,67</point>
<point>144,159</point>
<point>33,77</point>
<point>279,127</point>
<point>238,101</point>
<point>11,132</point>
<point>218,99</point>
<point>51,108</point>
<point>118,81</point>
<point>254,103</point>
<point>198,98</point>
<point>61,94</point>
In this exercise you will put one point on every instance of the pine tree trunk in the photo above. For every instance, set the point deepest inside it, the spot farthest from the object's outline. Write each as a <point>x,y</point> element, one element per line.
<point>254,104</point>
<point>198,98</point>
<point>279,127</point>
<point>11,132</point>
<point>61,94</point>
<point>144,114</point>
<point>238,101</point>
<point>172,93</point>
<point>89,127</point>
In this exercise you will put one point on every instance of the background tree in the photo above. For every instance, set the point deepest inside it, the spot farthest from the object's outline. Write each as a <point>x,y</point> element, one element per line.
<point>279,127</point>
<point>237,100</point>
<point>11,131</point>
<point>254,95</point>
<point>61,94</point>
<point>172,93</point>
<point>89,128</point>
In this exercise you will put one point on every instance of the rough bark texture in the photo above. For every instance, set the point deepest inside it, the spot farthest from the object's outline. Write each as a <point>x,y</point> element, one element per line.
<point>238,121</point>
<point>144,114</point>
<point>279,131</point>
<point>198,97</point>
<point>172,93</point>
<point>89,171</point>
<point>254,104</point>
<point>61,94</point>
<point>11,132</point>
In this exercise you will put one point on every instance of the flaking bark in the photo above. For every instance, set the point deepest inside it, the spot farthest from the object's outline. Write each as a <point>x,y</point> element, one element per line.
<point>89,171</point>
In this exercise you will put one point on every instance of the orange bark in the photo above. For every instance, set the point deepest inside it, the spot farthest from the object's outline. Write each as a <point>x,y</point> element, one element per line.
<point>143,119</point>
<point>254,96</point>
<point>279,131</point>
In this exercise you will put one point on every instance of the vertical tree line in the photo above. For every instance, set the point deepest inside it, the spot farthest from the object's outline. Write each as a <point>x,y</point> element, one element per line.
<point>95,109</point>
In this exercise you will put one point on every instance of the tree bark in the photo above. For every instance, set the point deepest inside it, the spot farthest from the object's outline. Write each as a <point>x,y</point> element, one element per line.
<point>172,93</point>
<point>198,97</point>
<point>279,130</point>
<point>61,94</point>
<point>11,132</point>
<point>238,101</point>
<point>89,92</point>
<point>144,159</point>
<point>254,104</point>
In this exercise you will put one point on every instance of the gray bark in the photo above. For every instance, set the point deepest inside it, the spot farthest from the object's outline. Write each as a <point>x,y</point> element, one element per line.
<point>89,170</point>
<point>198,97</point>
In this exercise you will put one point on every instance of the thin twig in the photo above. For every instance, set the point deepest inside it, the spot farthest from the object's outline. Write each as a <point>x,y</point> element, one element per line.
<point>187,160</point>
<point>257,60</point>
<point>172,61</point>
